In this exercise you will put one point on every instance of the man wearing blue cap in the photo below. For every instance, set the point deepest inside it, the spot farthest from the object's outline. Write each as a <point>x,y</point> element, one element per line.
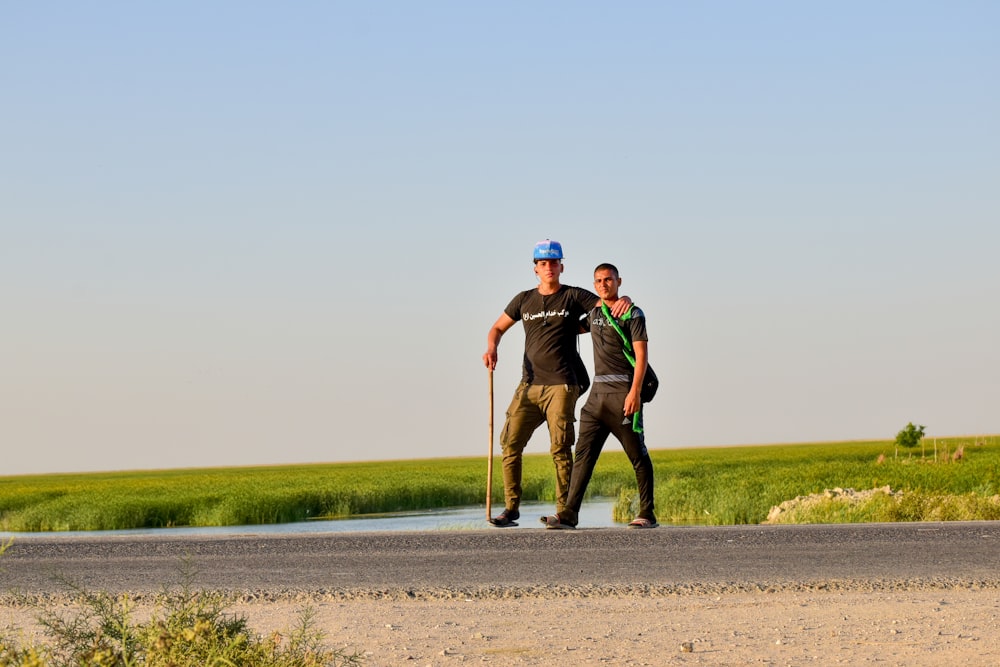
<point>552,375</point>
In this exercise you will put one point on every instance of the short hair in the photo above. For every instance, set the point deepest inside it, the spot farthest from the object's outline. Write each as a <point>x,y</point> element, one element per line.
<point>607,267</point>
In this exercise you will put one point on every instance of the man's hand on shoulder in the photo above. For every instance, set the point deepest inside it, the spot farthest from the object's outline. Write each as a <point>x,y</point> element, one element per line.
<point>621,306</point>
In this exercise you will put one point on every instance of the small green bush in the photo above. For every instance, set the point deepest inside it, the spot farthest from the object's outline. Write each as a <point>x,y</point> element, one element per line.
<point>910,436</point>
<point>187,629</point>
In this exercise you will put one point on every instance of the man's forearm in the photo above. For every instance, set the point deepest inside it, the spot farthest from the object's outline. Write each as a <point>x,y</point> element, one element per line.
<point>640,364</point>
<point>493,338</point>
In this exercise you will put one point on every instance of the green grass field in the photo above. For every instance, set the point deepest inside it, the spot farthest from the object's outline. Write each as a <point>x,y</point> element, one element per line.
<point>717,486</point>
<point>739,485</point>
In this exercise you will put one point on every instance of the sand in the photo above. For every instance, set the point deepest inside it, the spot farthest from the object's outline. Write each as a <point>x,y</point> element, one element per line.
<point>957,627</point>
<point>912,628</point>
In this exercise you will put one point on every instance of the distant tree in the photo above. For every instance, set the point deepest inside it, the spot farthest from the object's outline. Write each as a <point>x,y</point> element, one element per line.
<point>909,437</point>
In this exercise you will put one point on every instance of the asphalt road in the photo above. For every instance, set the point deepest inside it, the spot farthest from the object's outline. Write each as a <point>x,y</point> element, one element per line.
<point>497,562</point>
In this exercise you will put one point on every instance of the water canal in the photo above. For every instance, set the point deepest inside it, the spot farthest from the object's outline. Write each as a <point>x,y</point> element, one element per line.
<point>595,513</point>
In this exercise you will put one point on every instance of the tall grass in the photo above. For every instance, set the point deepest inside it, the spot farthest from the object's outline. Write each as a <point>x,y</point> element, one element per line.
<point>739,485</point>
<point>234,496</point>
<point>730,485</point>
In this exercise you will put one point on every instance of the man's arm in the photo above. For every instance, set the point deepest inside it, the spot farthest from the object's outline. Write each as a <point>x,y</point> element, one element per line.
<point>499,328</point>
<point>619,307</point>
<point>633,402</point>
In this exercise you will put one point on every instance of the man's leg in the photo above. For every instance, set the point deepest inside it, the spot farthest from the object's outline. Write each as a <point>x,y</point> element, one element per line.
<point>523,417</point>
<point>593,435</point>
<point>559,404</point>
<point>634,445</point>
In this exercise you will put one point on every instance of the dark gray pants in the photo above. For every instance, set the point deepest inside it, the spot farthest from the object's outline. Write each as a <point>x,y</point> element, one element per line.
<point>601,416</point>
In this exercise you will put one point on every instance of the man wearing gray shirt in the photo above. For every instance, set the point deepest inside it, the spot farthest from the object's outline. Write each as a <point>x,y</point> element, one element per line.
<point>614,405</point>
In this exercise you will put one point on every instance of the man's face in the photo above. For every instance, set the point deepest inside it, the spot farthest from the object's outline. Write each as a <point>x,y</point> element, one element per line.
<point>548,270</point>
<point>606,284</point>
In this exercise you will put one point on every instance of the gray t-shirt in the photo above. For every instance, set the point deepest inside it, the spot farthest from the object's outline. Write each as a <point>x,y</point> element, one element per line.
<point>551,326</point>
<point>612,370</point>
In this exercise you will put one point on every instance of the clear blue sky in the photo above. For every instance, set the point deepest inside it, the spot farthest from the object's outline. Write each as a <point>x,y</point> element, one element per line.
<point>242,233</point>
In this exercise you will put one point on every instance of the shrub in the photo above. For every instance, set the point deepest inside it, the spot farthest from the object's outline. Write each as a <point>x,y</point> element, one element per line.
<point>186,629</point>
<point>910,436</point>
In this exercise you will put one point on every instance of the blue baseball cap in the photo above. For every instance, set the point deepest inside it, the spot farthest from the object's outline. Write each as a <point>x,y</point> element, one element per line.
<point>548,249</point>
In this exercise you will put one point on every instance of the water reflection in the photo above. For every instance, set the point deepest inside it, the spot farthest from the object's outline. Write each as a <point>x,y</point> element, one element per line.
<point>593,514</point>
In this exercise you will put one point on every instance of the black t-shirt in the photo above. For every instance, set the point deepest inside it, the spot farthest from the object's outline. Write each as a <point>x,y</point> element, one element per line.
<point>613,372</point>
<point>551,325</point>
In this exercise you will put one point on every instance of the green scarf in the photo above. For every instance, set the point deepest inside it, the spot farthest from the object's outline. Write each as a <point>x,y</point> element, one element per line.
<point>628,352</point>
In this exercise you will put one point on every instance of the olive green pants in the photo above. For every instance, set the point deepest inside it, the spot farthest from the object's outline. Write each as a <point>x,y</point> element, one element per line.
<point>532,405</point>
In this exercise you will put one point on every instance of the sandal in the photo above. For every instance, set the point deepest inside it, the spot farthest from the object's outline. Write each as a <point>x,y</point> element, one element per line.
<point>554,522</point>
<point>505,519</point>
<point>642,522</point>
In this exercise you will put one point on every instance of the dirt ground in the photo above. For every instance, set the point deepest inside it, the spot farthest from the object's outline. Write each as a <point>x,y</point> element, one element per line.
<point>912,628</point>
<point>854,628</point>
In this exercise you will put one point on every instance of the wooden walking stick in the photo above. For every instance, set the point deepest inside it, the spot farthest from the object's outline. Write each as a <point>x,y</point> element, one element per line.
<point>489,459</point>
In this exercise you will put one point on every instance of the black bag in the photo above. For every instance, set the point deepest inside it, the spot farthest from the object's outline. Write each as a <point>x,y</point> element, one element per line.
<point>650,383</point>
